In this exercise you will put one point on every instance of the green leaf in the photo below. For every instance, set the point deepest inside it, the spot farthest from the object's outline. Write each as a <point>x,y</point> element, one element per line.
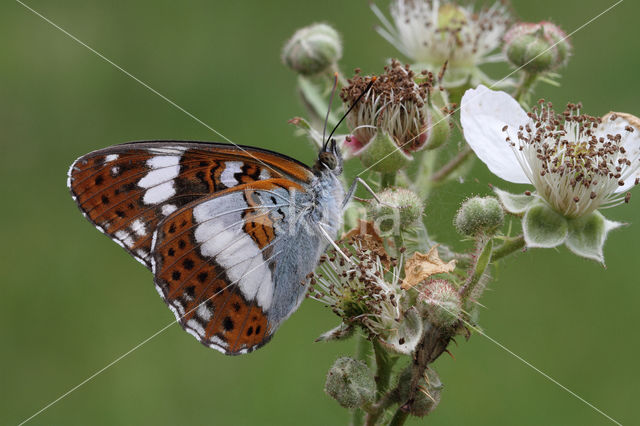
<point>515,203</point>
<point>543,227</point>
<point>587,235</point>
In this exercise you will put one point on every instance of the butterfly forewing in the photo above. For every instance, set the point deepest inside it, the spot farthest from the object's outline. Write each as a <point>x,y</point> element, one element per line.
<point>127,190</point>
<point>214,263</point>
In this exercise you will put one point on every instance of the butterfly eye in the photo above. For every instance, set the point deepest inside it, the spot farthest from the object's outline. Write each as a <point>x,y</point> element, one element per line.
<point>329,159</point>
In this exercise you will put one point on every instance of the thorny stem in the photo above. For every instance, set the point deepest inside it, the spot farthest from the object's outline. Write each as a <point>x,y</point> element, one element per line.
<point>452,165</point>
<point>433,344</point>
<point>510,245</point>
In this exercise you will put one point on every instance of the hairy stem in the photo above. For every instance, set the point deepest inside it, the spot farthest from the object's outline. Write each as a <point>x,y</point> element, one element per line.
<point>510,246</point>
<point>452,165</point>
<point>399,417</point>
<point>376,411</point>
<point>384,366</point>
<point>484,248</point>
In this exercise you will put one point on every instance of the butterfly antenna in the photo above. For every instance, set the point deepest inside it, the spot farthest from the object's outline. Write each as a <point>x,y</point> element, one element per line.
<point>364,92</point>
<point>326,118</point>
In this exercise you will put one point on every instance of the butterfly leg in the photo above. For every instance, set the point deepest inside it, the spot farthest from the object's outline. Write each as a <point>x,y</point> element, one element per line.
<point>333,243</point>
<point>352,190</point>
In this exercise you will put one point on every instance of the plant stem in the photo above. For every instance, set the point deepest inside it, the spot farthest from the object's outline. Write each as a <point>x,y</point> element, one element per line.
<point>510,245</point>
<point>388,180</point>
<point>484,248</point>
<point>384,365</point>
<point>362,354</point>
<point>399,417</point>
<point>525,87</point>
<point>373,415</point>
<point>452,165</point>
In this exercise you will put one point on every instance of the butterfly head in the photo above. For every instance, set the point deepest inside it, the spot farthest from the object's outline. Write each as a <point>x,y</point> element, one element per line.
<point>329,158</point>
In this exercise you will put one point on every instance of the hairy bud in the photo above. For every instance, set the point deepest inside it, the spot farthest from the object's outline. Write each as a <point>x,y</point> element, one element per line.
<point>312,49</point>
<point>537,47</point>
<point>479,216</point>
<point>426,398</point>
<point>441,303</point>
<point>400,207</point>
<point>351,383</point>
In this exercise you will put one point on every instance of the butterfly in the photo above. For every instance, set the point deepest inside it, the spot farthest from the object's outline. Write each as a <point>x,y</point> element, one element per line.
<point>229,232</point>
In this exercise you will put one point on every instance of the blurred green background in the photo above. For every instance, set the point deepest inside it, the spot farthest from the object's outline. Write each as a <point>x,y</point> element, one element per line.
<point>72,301</point>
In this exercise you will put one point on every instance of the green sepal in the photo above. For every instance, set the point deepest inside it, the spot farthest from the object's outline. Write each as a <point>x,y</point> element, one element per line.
<point>341,332</point>
<point>587,235</point>
<point>383,155</point>
<point>404,338</point>
<point>543,227</point>
<point>516,204</point>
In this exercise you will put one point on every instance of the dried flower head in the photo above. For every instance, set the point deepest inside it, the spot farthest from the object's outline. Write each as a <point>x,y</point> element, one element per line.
<point>432,32</point>
<point>395,105</point>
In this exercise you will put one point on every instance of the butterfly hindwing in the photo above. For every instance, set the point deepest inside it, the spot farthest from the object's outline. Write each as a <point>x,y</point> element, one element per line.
<point>215,264</point>
<point>127,190</point>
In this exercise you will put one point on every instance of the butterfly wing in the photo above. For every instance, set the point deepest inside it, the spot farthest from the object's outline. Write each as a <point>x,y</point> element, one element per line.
<point>227,266</point>
<point>126,190</point>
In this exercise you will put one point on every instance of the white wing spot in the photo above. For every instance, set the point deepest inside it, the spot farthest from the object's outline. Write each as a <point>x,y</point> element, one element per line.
<point>230,168</point>
<point>167,209</point>
<point>111,157</point>
<point>138,228</point>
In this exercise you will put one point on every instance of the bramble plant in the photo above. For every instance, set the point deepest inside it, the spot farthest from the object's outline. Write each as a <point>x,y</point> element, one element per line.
<point>404,296</point>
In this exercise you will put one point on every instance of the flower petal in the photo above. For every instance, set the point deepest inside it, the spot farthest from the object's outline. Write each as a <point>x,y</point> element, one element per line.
<point>587,235</point>
<point>618,123</point>
<point>543,227</point>
<point>483,114</point>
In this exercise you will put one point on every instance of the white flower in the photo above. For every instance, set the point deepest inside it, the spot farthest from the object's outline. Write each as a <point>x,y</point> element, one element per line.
<point>577,163</point>
<point>432,32</point>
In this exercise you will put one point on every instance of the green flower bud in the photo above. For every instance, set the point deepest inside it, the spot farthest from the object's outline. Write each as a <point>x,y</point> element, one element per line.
<point>479,216</point>
<point>533,47</point>
<point>382,154</point>
<point>312,49</point>
<point>441,303</point>
<point>351,383</point>
<point>427,397</point>
<point>441,127</point>
<point>400,207</point>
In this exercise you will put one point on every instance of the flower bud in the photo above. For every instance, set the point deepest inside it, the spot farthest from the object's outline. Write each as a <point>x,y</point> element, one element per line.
<point>441,302</point>
<point>312,49</point>
<point>479,216</point>
<point>400,207</point>
<point>427,397</point>
<point>382,154</point>
<point>351,383</point>
<point>533,46</point>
